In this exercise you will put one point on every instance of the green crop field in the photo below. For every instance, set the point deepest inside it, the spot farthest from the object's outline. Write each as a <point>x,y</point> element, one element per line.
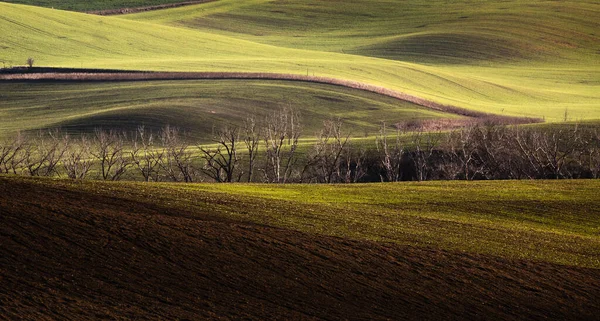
<point>195,106</point>
<point>78,5</point>
<point>90,249</point>
<point>535,59</point>
<point>87,248</point>
<point>440,31</point>
<point>515,220</point>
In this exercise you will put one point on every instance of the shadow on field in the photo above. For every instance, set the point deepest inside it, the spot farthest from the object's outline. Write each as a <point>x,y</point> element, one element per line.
<point>66,254</point>
<point>49,74</point>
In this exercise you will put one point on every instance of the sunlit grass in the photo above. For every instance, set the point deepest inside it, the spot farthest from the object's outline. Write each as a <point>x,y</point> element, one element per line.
<point>553,221</point>
<point>78,5</point>
<point>529,86</point>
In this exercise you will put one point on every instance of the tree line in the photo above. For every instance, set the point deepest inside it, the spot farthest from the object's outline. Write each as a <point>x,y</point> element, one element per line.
<point>270,150</point>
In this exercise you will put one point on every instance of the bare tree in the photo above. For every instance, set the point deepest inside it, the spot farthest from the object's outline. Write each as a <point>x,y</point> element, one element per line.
<point>425,144</point>
<point>328,152</point>
<point>496,153</point>
<point>252,141</point>
<point>146,156</point>
<point>77,159</point>
<point>221,160</point>
<point>281,134</point>
<point>589,157</point>
<point>392,153</point>
<point>547,153</point>
<point>355,168</point>
<point>30,62</point>
<point>463,148</point>
<point>12,154</point>
<point>108,148</point>
<point>177,161</point>
<point>42,158</point>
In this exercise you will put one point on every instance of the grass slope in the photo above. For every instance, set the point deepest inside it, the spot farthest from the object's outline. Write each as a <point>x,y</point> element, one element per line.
<point>194,106</point>
<point>78,5</point>
<point>552,221</point>
<point>526,88</point>
<point>90,250</point>
<point>439,31</point>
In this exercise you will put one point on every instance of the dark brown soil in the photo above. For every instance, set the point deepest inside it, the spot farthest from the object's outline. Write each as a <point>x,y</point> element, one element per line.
<point>66,254</point>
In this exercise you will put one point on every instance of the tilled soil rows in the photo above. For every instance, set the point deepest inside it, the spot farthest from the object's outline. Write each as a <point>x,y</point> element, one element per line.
<point>67,254</point>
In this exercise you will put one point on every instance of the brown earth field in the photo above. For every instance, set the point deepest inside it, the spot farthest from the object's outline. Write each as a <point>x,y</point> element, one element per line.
<point>73,255</point>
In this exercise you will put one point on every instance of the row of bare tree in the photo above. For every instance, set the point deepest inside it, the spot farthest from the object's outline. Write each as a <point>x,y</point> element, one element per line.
<point>165,156</point>
<point>492,152</point>
<point>269,151</point>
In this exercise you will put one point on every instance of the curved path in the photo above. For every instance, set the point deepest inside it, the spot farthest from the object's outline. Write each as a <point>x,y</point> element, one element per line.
<point>53,74</point>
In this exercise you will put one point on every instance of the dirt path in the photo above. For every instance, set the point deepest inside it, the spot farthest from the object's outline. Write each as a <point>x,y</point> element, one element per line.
<point>65,254</point>
<point>52,74</point>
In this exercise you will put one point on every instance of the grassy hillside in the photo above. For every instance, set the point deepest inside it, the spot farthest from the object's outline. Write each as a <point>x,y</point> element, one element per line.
<point>550,221</point>
<point>78,5</point>
<point>195,106</point>
<point>440,31</point>
<point>88,250</point>
<point>538,88</point>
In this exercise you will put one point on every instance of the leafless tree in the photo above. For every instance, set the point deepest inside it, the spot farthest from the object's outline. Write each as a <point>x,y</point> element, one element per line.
<point>391,153</point>
<point>463,147</point>
<point>589,154</point>
<point>177,160</point>
<point>77,160</point>
<point>42,158</point>
<point>425,144</point>
<point>547,152</point>
<point>221,160</point>
<point>281,134</point>
<point>109,150</point>
<point>355,168</point>
<point>146,156</point>
<point>30,62</point>
<point>12,154</point>
<point>251,140</point>
<point>324,162</point>
<point>495,152</point>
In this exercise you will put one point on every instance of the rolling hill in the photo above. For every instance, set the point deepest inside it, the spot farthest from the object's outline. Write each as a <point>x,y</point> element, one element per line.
<point>85,6</point>
<point>438,32</point>
<point>89,250</point>
<point>476,250</point>
<point>195,106</point>
<point>453,61</point>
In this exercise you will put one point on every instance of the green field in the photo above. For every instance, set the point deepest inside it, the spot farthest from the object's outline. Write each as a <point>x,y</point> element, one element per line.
<point>521,58</point>
<point>410,251</point>
<point>510,219</point>
<point>78,5</point>
<point>195,106</point>
<point>437,32</point>
<point>87,248</point>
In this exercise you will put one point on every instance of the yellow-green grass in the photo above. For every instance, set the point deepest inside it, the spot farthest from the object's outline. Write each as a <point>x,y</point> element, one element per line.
<point>195,106</point>
<point>440,31</point>
<point>537,88</point>
<point>79,5</point>
<point>552,221</point>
